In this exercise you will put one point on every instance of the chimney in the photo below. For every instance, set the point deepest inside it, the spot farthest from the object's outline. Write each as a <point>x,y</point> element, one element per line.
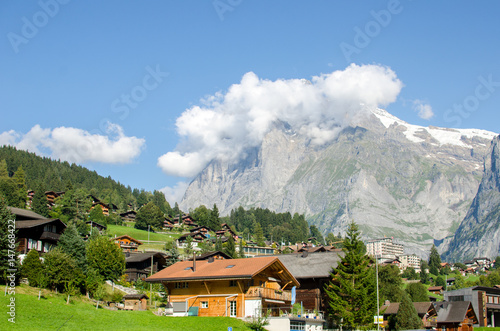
<point>194,262</point>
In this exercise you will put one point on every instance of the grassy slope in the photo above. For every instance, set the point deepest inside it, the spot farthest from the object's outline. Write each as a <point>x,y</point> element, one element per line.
<point>52,313</point>
<point>141,235</point>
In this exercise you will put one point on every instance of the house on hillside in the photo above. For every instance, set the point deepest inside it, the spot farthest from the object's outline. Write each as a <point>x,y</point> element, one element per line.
<point>138,265</point>
<point>425,310</point>
<point>436,289</point>
<point>196,236</point>
<point>455,315</point>
<point>226,229</point>
<point>128,216</point>
<point>52,196</point>
<point>35,231</point>
<point>312,270</point>
<point>127,243</point>
<point>203,229</point>
<point>217,255</point>
<point>228,287</point>
<point>485,302</point>
<point>94,226</point>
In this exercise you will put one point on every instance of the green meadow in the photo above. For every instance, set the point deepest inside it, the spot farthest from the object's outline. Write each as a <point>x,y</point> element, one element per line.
<point>52,312</point>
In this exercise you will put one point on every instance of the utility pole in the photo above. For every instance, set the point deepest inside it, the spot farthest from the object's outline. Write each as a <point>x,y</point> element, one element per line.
<point>378,303</point>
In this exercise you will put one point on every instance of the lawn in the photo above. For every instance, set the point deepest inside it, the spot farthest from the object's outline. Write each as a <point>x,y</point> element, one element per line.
<point>52,313</point>
<point>141,235</point>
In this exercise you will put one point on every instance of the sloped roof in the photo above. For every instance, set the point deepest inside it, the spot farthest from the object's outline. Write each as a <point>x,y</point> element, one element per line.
<point>127,237</point>
<point>205,256</point>
<point>421,307</point>
<point>139,257</point>
<point>24,214</point>
<point>311,265</point>
<point>453,311</point>
<point>34,223</point>
<point>222,269</point>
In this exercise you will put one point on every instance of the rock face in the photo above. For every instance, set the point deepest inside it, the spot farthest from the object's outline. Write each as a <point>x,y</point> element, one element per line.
<point>394,179</point>
<point>479,233</point>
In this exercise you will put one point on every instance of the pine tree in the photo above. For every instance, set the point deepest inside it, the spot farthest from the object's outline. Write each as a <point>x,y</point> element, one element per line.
<point>258,234</point>
<point>72,244</point>
<point>105,257</point>
<point>214,218</point>
<point>407,316</point>
<point>149,214</point>
<point>39,202</point>
<point>20,182</point>
<point>352,290</point>
<point>434,261</point>
<point>417,292</point>
<point>230,247</point>
<point>32,268</point>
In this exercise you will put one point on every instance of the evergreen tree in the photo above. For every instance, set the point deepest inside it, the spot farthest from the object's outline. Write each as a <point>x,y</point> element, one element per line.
<point>315,233</point>
<point>188,250</point>
<point>72,244</point>
<point>424,277</point>
<point>96,215</point>
<point>160,201</point>
<point>440,281</point>
<point>241,253</point>
<point>218,245</point>
<point>417,292</point>
<point>39,202</point>
<point>105,257</point>
<point>230,246</point>
<point>352,291</point>
<point>390,283</point>
<point>258,234</point>
<point>61,270</point>
<point>410,274</point>
<point>202,215</point>
<point>434,261</point>
<point>173,252</point>
<point>214,219</point>
<point>32,268</point>
<point>149,214</point>
<point>407,316</point>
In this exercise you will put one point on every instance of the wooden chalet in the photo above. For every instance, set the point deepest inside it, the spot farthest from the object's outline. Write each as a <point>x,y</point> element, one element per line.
<point>128,216</point>
<point>197,237</point>
<point>185,220</point>
<point>217,255</point>
<point>135,301</point>
<point>425,310</point>
<point>127,243</point>
<point>203,229</point>
<point>227,287</point>
<point>106,208</point>
<point>455,316</point>
<point>138,265</point>
<point>168,224</point>
<point>35,231</point>
<point>52,196</point>
<point>436,289</point>
<point>226,229</point>
<point>96,226</point>
<point>312,270</point>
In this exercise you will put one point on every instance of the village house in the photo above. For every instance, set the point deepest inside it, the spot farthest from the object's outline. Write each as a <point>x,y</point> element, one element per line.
<point>216,255</point>
<point>226,229</point>
<point>128,216</point>
<point>139,265</point>
<point>227,287</point>
<point>52,196</point>
<point>485,302</point>
<point>35,231</point>
<point>436,289</point>
<point>127,243</point>
<point>455,315</point>
<point>94,226</point>
<point>196,236</point>
<point>425,310</point>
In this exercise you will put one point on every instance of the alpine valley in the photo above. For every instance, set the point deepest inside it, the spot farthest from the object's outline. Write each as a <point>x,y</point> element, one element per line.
<point>393,179</point>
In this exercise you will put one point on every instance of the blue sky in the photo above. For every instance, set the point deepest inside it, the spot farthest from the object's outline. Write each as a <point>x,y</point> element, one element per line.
<point>140,91</point>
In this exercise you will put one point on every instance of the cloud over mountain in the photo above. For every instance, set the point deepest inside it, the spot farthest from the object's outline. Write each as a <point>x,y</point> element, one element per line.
<point>226,124</point>
<point>77,145</point>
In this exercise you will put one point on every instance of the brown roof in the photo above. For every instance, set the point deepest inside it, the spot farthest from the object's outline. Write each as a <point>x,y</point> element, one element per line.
<point>435,288</point>
<point>421,307</point>
<point>127,237</point>
<point>454,311</point>
<point>33,223</point>
<point>25,214</point>
<point>222,269</point>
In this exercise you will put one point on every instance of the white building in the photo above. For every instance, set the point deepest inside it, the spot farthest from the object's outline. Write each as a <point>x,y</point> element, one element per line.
<point>384,248</point>
<point>409,261</point>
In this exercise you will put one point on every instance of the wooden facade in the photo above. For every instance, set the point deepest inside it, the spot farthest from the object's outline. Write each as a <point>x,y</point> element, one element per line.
<point>455,316</point>
<point>127,243</point>
<point>228,287</point>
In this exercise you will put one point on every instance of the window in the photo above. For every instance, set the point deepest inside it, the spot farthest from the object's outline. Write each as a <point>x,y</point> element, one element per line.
<point>204,304</point>
<point>233,283</point>
<point>232,309</point>
<point>230,266</point>
<point>181,285</point>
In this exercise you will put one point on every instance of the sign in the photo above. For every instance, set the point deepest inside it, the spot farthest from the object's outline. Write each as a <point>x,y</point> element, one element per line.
<point>379,320</point>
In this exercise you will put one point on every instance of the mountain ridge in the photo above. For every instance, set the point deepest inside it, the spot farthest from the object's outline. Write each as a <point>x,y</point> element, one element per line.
<point>391,177</point>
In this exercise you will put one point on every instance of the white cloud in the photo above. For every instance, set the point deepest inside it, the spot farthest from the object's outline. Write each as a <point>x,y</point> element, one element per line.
<point>176,193</point>
<point>77,145</point>
<point>423,109</point>
<point>228,123</point>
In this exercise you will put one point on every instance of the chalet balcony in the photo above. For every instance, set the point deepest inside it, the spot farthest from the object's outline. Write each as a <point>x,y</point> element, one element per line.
<point>50,236</point>
<point>269,293</point>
